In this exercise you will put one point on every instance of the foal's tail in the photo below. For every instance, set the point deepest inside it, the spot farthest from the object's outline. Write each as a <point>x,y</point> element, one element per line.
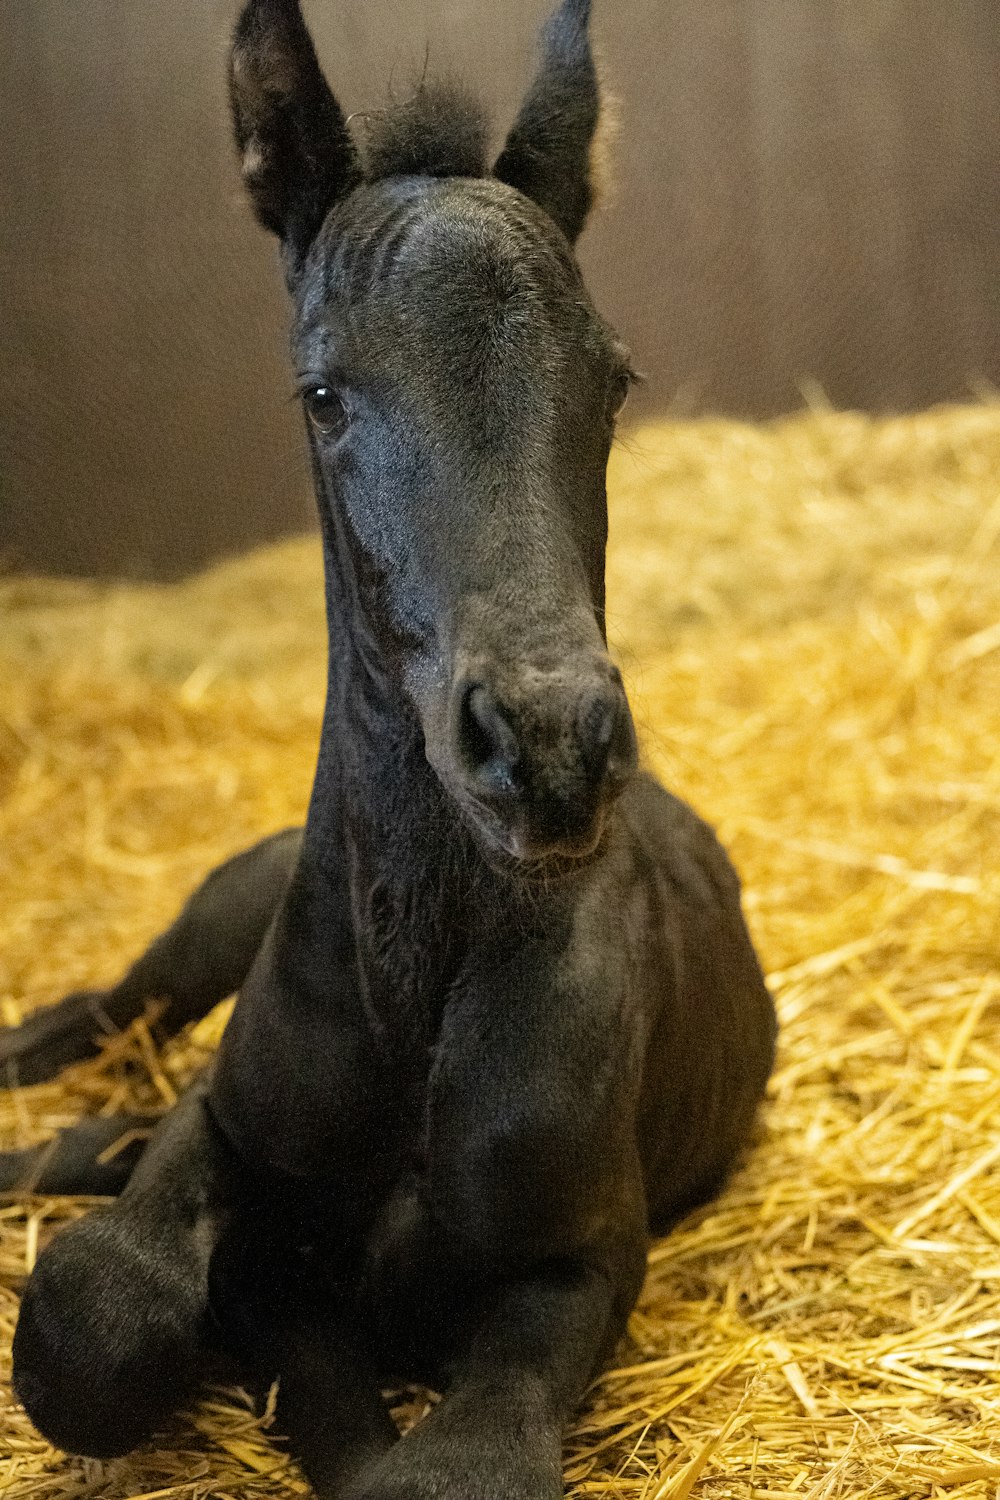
<point>203,958</point>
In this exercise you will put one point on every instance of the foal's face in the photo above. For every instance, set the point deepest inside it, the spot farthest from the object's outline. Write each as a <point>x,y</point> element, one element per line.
<point>461,393</point>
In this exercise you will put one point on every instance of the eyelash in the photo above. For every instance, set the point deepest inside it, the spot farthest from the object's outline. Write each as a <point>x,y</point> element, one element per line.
<point>621,390</point>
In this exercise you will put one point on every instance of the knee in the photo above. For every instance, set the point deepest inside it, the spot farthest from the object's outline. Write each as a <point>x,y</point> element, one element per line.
<point>107,1339</point>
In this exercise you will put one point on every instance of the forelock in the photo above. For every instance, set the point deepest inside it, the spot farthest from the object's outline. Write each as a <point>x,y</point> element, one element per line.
<point>441,130</point>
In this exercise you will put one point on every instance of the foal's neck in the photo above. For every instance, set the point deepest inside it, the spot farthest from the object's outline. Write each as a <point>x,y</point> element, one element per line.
<point>377,808</point>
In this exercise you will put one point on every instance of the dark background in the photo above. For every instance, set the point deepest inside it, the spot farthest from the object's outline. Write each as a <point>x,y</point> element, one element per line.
<point>806,200</point>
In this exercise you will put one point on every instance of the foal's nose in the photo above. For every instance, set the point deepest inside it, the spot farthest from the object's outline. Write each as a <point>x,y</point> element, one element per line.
<point>546,758</point>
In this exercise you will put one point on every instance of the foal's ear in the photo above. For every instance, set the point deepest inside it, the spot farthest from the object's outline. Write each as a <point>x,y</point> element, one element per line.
<point>547,155</point>
<point>297,153</point>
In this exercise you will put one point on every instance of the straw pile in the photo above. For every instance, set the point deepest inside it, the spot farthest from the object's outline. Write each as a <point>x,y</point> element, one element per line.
<point>809,615</point>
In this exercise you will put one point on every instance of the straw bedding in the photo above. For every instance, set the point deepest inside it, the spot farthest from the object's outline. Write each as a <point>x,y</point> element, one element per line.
<point>809,616</point>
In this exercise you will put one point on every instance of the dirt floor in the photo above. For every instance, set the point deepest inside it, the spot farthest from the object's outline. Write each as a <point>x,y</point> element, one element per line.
<point>809,618</point>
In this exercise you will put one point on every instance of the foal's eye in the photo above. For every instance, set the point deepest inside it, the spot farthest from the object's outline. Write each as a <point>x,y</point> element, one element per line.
<point>326,409</point>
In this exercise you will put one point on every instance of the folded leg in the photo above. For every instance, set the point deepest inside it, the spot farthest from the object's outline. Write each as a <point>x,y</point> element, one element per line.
<point>535,1345</point>
<point>329,1411</point>
<point>200,960</point>
<point>282,1315</point>
<point>96,1157</point>
<point>113,1318</point>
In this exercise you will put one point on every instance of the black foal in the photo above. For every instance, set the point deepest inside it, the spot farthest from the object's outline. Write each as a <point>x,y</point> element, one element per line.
<point>498,1010</point>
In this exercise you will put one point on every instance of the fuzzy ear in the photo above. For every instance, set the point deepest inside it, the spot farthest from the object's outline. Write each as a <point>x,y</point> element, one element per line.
<point>547,154</point>
<point>297,153</point>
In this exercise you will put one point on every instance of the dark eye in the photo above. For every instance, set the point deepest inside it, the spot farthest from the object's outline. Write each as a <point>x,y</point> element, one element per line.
<point>326,409</point>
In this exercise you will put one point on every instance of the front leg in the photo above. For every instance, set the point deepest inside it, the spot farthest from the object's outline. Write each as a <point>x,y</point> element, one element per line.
<point>534,1347</point>
<point>112,1322</point>
<point>286,1320</point>
<point>329,1408</point>
<point>535,1199</point>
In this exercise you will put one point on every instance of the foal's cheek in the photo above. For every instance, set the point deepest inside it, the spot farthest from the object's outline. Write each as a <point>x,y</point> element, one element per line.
<point>389,569</point>
<point>371,505</point>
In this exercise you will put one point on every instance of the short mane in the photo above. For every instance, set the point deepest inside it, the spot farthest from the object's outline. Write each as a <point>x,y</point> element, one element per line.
<point>441,130</point>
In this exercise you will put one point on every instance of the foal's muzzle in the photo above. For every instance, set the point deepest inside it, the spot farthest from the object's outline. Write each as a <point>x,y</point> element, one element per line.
<point>541,755</point>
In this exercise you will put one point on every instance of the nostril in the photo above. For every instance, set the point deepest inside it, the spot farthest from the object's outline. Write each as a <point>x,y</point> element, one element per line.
<point>487,742</point>
<point>597,721</point>
<point>604,717</point>
<point>607,738</point>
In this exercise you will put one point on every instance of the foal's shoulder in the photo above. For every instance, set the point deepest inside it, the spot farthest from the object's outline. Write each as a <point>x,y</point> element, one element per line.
<point>671,842</point>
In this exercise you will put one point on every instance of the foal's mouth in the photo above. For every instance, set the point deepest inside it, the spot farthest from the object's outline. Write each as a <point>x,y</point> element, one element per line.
<point>508,853</point>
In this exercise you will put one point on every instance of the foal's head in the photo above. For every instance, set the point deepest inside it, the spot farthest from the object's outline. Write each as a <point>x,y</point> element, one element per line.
<point>461,393</point>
